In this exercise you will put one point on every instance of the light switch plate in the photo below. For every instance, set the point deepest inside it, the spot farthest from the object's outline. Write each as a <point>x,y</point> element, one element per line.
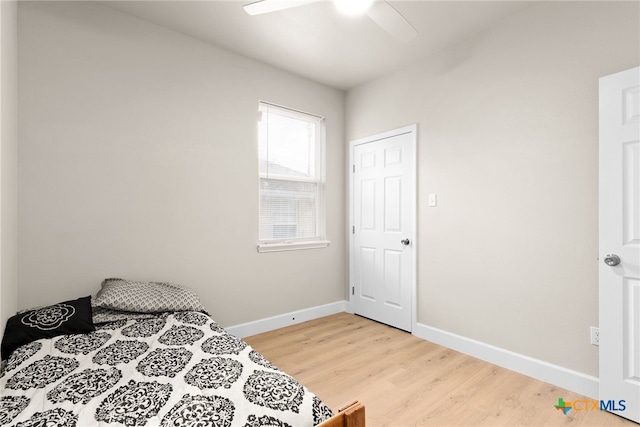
<point>433,200</point>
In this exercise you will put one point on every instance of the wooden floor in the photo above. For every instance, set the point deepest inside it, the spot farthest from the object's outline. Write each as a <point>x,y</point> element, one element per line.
<point>406,381</point>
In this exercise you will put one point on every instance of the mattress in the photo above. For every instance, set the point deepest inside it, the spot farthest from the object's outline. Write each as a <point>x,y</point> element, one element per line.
<point>151,369</point>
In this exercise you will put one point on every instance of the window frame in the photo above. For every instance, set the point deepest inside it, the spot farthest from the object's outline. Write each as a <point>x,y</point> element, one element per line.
<point>319,240</point>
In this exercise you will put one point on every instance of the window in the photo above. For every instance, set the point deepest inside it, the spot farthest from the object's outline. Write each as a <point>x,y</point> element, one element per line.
<point>290,151</point>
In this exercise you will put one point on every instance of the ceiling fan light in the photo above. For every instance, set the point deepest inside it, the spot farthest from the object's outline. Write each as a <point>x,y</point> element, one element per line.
<point>352,7</point>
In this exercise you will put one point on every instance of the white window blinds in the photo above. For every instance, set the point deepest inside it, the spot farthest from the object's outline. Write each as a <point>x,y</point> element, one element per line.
<point>290,147</point>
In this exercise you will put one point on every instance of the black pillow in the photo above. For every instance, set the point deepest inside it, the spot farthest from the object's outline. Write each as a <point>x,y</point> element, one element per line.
<point>69,317</point>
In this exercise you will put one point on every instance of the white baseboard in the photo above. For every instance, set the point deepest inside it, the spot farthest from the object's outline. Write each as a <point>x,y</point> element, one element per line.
<point>578,382</point>
<point>270,323</point>
<point>559,376</point>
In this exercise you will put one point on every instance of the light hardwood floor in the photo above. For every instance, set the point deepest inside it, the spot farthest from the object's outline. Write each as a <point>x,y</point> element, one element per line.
<point>406,381</point>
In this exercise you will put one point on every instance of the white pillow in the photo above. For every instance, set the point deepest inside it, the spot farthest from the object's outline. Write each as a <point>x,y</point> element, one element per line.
<point>146,297</point>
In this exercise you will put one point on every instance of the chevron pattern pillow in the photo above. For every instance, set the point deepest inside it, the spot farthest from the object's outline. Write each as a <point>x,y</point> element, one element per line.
<point>146,297</point>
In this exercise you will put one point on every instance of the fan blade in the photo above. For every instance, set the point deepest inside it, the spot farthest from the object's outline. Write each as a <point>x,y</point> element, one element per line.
<point>392,21</point>
<point>267,6</point>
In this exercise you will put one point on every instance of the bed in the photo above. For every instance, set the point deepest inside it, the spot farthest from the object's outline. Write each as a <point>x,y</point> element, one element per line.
<point>144,353</point>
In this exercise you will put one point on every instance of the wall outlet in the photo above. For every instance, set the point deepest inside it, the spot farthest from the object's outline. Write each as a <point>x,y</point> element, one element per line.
<point>595,335</point>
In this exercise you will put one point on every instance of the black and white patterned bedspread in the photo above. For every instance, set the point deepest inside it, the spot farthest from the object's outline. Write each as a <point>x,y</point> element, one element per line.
<point>170,369</point>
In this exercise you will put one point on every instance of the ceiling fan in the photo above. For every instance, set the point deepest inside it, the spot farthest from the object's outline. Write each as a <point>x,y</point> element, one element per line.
<point>381,12</point>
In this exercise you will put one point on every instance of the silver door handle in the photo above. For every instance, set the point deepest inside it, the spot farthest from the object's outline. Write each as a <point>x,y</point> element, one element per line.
<point>612,260</point>
<point>405,242</point>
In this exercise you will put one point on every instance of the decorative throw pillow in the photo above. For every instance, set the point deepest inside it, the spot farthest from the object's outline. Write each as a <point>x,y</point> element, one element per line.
<point>65,318</point>
<point>146,297</point>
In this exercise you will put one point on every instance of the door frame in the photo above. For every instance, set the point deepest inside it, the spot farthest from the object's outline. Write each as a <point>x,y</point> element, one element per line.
<point>413,130</point>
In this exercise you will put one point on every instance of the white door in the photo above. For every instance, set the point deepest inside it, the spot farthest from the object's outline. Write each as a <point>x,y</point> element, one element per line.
<point>620,243</point>
<point>383,246</point>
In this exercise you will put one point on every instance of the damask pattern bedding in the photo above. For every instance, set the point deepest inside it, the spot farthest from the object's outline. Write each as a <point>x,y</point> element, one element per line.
<point>153,369</point>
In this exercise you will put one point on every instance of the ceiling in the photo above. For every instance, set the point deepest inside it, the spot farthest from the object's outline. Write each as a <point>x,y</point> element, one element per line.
<point>316,42</point>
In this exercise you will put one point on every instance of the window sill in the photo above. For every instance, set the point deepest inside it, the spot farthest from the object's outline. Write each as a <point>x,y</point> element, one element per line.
<point>292,246</point>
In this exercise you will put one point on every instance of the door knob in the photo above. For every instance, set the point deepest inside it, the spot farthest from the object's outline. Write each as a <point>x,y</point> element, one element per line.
<point>405,242</point>
<point>612,260</point>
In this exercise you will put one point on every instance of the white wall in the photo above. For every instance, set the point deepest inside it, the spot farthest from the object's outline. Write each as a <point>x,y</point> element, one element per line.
<point>508,139</point>
<point>8,161</point>
<point>138,160</point>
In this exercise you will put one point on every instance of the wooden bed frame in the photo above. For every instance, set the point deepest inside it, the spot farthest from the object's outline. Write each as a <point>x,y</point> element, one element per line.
<point>351,415</point>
